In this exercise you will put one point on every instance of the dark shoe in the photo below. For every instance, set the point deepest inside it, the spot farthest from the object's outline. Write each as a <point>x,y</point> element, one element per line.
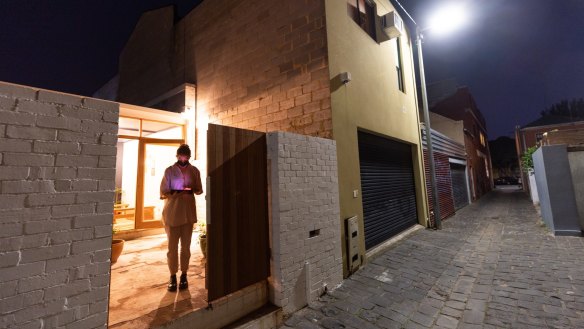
<point>172,283</point>
<point>183,282</point>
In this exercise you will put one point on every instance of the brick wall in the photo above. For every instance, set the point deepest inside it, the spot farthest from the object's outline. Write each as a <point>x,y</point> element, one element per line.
<point>304,198</point>
<point>57,168</point>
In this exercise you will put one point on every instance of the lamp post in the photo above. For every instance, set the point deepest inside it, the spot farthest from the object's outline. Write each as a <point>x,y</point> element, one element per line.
<point>435,196</point>
<point>445,20</point>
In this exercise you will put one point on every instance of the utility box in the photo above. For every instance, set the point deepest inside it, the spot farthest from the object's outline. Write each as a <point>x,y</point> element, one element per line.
<point>352,231</point>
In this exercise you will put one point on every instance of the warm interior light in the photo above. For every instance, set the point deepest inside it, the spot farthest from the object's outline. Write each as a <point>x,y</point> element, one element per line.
<point>448,18</point>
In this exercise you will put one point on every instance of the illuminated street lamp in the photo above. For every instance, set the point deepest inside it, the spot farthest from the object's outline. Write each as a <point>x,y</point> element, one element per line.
<point>445,20</point>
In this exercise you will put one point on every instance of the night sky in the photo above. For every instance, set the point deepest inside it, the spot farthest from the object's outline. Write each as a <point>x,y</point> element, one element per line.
<point>517,56</point>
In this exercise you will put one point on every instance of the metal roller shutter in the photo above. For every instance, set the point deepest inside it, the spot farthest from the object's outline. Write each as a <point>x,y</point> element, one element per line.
<point>459,185</point>
<point>444,184</point>
<point>388,188</point>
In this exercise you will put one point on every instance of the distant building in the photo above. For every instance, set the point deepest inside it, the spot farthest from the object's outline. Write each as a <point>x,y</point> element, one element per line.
<point>504,157</point>
<point>534,132</point>
<point>455,114</point>
<point>451,169</point>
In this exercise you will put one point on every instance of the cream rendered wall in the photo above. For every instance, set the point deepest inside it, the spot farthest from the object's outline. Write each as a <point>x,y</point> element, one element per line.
<point>371,101</point>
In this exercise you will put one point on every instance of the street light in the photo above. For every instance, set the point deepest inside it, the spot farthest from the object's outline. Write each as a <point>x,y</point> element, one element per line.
<point>446,19</point>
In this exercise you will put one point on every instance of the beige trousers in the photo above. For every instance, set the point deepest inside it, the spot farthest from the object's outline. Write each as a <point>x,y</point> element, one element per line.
<point>174,234</point>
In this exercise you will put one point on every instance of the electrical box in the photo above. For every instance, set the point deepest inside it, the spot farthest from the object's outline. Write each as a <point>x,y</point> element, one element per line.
<point>352,231</point>
<point>392,25</point>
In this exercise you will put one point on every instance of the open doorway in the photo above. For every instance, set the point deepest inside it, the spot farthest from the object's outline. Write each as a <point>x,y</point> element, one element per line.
<point>147,144</point>
<point>145,149</point>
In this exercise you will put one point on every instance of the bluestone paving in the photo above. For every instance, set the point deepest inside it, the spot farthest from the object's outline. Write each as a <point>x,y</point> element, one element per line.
<point>493,265</point>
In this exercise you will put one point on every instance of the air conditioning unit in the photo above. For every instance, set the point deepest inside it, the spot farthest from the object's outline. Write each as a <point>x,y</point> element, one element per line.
<point>352,230</point>
<point>392,25</point>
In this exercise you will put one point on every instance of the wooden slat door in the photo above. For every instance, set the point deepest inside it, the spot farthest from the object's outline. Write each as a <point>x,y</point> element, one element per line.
<point>237,232</point>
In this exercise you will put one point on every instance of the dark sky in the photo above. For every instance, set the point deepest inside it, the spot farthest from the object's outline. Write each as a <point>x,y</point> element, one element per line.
<point>517,56</point>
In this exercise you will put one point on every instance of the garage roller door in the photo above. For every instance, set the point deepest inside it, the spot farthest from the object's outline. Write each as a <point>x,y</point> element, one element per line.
<point>459,185</point>
<point>388,188</point>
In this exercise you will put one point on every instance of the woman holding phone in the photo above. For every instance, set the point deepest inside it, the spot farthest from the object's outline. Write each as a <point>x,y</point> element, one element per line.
<point>179,185</point>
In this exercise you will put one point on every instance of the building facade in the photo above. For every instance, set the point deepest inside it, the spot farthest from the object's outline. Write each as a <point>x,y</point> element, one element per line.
<point>323,68</point>
<point>452,180</point>
<point>458,104</point>
<point>533,134</point>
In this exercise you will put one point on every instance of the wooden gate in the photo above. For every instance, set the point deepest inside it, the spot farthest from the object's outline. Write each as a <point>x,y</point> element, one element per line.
<point>237,223</point>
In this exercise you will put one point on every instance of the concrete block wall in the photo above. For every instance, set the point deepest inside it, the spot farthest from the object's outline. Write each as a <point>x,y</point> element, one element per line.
<point>305,232</point>
<point>57,170</point>
<point>259,64</point>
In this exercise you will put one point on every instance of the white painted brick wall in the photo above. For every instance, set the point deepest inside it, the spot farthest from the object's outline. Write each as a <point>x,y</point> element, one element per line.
<point>57,171</point>
<point>304,197</point>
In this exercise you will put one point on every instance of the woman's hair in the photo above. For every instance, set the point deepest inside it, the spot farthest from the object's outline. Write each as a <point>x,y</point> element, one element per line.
<point>184,149</point>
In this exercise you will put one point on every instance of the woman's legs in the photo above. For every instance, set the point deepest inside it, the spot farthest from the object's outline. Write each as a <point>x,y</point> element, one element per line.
<point>173,235</point>
<point>186,233</point>
<point>185,253</point>
<point>183,233</point>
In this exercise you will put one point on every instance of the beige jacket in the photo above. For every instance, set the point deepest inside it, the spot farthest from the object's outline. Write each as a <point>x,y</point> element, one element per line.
<point>179,206</point>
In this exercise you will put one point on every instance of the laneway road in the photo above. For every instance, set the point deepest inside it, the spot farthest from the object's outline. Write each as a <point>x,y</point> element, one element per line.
<point>492,266</point>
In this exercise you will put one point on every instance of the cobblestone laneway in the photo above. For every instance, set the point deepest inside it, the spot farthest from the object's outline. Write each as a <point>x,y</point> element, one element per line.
<point>492,266</point>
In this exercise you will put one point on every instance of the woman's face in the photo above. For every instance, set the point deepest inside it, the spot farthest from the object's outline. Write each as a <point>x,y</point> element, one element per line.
<point>183,158</point>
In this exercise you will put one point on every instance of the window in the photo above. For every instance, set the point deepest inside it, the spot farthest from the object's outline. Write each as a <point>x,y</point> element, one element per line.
<point>363,13</point>
<point>483,140</point>
<point>398,65</point>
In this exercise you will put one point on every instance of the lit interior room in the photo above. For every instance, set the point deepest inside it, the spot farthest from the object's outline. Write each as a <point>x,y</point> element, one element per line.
<point>147,144</point>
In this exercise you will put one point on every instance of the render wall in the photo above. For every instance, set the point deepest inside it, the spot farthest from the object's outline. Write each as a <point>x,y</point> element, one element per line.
<point>451,128</point>
<point>304,199</point>
<point>555,190</point>
<point>576,160</point>
<point>57,170</point>
<point>371,101</point>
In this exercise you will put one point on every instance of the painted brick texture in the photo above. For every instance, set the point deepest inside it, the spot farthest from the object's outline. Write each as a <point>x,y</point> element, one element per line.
<point>260,64</point>
<point>56,208</point>
<point>304,199</point>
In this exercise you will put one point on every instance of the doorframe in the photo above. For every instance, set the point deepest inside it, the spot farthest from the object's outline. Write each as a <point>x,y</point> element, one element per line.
<point>139,222</point>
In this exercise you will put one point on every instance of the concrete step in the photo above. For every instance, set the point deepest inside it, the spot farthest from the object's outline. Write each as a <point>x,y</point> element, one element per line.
<point>267,317</point>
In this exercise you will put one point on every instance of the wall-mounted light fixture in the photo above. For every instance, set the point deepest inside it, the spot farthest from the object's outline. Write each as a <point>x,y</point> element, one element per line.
<point>345,77</point>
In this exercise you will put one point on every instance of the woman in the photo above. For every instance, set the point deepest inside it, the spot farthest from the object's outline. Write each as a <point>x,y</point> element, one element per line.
<point>179,184</point>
